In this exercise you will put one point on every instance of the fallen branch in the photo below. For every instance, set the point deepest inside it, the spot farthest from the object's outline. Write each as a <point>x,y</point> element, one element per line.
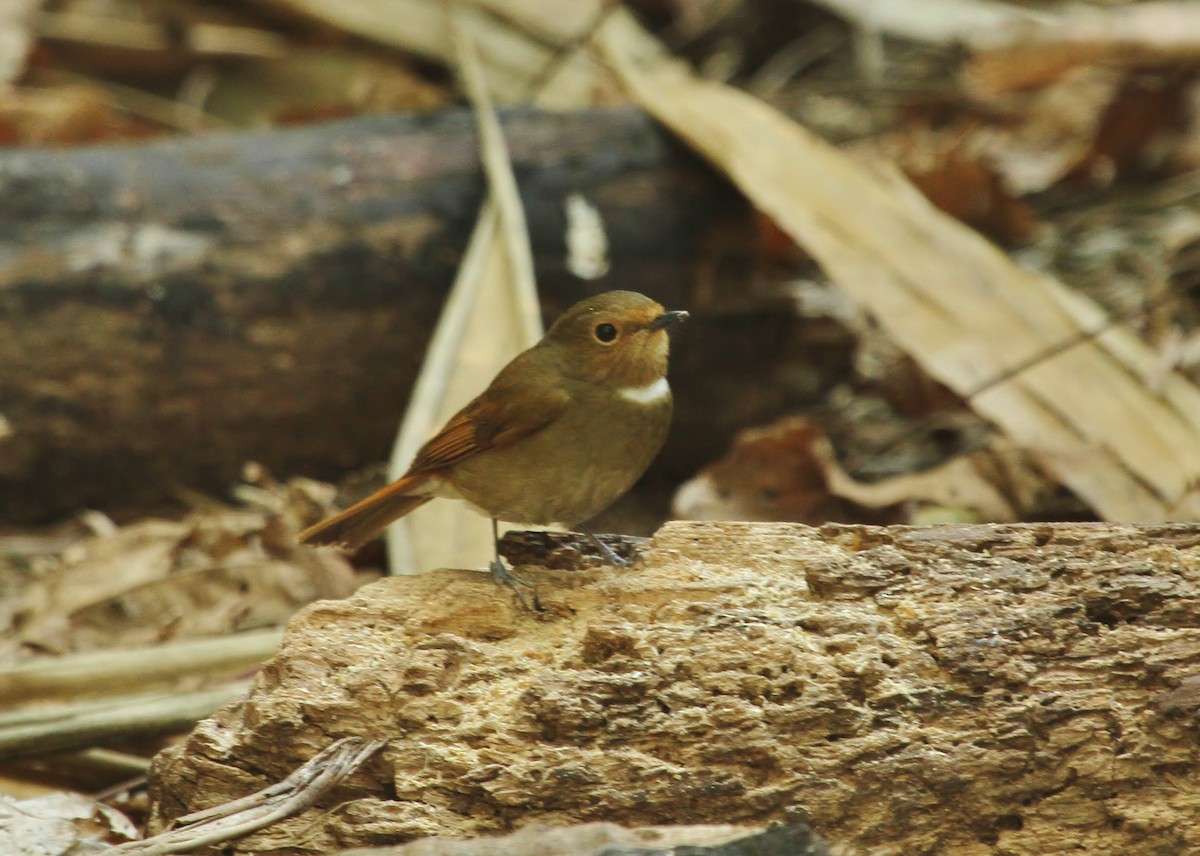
<point>299,791</point>
<point>86,724</point>
<point>281,278</point>
<point>116,671</point>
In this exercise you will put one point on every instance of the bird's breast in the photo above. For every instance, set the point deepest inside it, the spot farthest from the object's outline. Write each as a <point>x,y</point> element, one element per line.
<point>576,466</point>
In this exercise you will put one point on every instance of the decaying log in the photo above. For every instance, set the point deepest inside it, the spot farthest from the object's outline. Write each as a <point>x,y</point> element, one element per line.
<point>169,311</point>
<point>1017,689</point>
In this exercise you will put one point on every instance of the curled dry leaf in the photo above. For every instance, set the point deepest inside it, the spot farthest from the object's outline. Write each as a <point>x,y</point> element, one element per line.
<point>214,572</point>
<point>1089,125</point>
<point>770,473</point>
<point>996,485</point>
<point>788,471</point>
<point>1056,129</point>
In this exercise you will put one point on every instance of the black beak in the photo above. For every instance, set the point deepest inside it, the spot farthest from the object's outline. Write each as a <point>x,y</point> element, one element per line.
<point>668,320</point>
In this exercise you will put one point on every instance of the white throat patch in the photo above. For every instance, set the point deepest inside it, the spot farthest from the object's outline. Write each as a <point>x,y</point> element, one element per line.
<point>647,394</point>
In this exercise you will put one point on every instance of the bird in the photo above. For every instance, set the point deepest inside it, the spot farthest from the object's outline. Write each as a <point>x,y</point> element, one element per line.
<point>562,432</point>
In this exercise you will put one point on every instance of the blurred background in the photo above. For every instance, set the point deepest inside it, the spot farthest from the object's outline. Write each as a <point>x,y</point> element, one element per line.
<point>230,227</point>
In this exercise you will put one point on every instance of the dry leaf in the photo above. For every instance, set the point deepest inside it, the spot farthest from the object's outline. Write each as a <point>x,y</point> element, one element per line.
<point>60,822</point>
<point>1019,47</point>
<point>492,314</point>
<point>956,174</point>
<point>1124,35</point>
<point>788,471</point>
<point>127,39</point>
<point>16,24</point>
<point>518,40</point>
<point>771,473</point>
<point>320,83</point>
<point>1056,130</point>
<point>212,573</point>
<point>965,311</point>
<point>940,21</point>
<point>997,485</point>
<point>64,115</point>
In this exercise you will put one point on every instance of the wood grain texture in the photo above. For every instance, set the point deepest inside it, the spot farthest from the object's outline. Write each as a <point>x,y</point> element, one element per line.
<point>1017,689</point>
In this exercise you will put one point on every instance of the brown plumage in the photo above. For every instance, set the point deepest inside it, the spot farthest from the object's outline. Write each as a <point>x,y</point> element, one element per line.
<point>565,428</point>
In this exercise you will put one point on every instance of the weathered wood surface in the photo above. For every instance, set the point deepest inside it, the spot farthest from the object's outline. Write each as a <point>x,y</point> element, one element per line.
<point>171,310</point>
<point>1017,689</point>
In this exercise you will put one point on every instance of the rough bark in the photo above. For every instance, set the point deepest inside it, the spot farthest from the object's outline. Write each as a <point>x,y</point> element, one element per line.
<point>1018,689</point>
<point>171,310</point>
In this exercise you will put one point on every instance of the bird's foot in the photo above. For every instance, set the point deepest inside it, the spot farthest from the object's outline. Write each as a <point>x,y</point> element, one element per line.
<point>503,576</point>
<point>609,556</point>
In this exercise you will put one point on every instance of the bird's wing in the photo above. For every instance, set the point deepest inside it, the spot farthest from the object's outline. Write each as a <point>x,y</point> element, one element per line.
<point>512,407</point>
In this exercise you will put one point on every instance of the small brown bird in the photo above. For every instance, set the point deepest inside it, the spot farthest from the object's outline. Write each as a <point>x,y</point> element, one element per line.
<point>565,429</point>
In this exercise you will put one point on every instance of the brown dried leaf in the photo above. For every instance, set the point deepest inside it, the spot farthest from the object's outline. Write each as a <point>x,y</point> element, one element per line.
<point>1056,130</point>
<point>950,169</point>
<point>212,573</point>
<point>788,471</point>
<point>772,473</point>
<point>1092,125</point>
<point>127,39</point>
<point>322,83</point>
<point>519,41</point>
<point>64,115</point>
<point>1125,35</point>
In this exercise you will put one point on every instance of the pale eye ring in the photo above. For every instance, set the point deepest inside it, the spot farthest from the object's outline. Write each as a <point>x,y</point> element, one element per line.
<point>605,333</point>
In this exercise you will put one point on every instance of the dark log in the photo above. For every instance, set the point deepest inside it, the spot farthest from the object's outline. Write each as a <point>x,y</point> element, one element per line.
<point>171,310</point>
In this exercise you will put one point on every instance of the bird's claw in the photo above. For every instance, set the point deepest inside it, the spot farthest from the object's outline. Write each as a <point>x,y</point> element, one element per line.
<point>503,576</point>
<point>607,551</point>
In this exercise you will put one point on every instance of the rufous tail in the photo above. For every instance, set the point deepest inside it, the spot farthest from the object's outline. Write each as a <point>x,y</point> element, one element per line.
<point>359,523</point>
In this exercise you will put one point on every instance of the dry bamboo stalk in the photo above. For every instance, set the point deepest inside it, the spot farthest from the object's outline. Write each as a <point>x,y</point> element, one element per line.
<point>492,314</point>
<point>116,671</point>
<point>80,725</point>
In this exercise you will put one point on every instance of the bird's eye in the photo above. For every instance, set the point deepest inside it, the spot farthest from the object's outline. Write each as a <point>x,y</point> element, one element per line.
<point>605,333</point>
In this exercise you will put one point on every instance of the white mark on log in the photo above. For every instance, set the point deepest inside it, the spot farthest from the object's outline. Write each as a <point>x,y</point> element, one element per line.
<point>150,249</point>
<point>587,245</point>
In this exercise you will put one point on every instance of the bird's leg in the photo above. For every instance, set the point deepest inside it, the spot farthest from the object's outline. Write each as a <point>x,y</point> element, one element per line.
<point>504,576</point>
<point>612,558</point>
